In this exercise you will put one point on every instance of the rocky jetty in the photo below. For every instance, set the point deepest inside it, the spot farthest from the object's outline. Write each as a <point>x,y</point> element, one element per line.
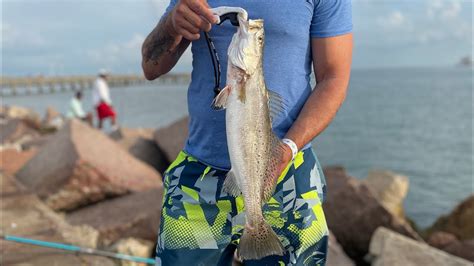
<point>80,165</point>
<point>354,213</point>
<point>460,222</point>
<point>389,188</point>
<point>16,131</point>
<point>135,215</point>
<point>336,255</point>
<point>451,244</point>
<point>23,214</point>
<point>388,248</point>
<point>29,116</point>
<point>135,247</point>
<point>140,143</point>
<point>171,139</point>
<point>52,120</point>
<point>13,160</point>
<point>110,189</point>
<point>454,233</point>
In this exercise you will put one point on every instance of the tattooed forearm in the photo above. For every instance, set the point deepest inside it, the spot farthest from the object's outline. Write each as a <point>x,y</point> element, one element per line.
<point>157,43</point>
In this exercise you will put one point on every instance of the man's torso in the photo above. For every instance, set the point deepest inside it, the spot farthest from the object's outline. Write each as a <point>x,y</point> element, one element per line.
<point>287,69</point>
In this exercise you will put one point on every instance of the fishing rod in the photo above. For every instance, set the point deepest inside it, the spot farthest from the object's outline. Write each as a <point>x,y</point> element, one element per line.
<point>223,13</point>
<point>76,249</point>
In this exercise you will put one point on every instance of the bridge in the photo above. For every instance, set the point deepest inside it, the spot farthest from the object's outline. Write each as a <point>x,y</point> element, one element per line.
<point>13,86</point>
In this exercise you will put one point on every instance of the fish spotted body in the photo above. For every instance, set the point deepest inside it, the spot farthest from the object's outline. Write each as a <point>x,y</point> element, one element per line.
<point>253,148</point>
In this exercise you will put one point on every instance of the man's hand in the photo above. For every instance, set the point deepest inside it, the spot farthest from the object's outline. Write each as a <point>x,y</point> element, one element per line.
<point>188,18</point>
<point>171,37</point>
<point>285,159</point>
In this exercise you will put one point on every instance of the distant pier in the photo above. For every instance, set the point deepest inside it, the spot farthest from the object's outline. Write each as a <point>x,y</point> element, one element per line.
<point>13,86</point>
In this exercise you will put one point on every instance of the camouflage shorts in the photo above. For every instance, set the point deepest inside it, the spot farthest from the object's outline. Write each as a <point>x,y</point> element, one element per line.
<point>201,224</point>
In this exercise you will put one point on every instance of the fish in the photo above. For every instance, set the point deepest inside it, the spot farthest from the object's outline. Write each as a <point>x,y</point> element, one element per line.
<point>254,150</point>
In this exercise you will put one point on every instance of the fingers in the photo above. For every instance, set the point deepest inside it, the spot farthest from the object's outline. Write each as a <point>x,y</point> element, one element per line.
<point>183,27</point>
<point>202,9</point>
<point>190,17</point>
<point>197,21</point>
<point>187,33</point>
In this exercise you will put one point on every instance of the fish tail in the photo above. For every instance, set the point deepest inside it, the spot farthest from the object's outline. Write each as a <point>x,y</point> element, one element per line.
<point>259,241</point>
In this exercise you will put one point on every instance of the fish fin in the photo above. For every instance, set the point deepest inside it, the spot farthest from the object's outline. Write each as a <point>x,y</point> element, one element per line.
<point>276,103</point>
<point>220,101</point>
<point>271,176</point>
<point>259,241</point>
<point>231,185</point>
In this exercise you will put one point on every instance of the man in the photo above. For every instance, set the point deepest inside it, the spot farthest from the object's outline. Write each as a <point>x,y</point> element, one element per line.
<point>102,101</point>
<point>200,224</point>
<point>76,110</point>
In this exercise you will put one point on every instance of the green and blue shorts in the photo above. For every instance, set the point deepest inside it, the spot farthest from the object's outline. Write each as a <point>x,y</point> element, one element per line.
<point>201,224</point>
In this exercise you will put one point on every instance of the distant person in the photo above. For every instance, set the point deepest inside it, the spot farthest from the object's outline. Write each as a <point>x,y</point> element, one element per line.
<point>77,111</point>
<point>102,101</point>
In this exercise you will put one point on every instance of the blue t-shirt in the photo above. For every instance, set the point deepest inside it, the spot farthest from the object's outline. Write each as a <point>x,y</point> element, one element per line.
<point>287,63</point>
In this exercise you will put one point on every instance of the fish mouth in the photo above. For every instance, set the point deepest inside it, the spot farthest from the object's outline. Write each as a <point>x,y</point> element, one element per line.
<point>255,23</point>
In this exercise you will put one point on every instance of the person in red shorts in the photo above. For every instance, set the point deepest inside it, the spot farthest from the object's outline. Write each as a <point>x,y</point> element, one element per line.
<point>102,101</point>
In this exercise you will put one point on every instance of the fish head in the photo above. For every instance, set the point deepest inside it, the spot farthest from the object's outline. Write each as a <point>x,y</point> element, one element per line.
<point>246,48</point>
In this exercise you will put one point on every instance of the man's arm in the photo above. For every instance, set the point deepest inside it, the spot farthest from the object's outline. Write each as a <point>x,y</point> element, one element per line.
<point>332,58</point>
<point>164,46</point>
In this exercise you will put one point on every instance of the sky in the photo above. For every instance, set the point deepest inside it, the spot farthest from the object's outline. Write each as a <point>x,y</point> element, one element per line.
<point>76,37</point>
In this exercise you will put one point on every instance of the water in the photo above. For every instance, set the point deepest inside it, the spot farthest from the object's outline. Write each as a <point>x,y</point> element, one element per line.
<point>417,122</point>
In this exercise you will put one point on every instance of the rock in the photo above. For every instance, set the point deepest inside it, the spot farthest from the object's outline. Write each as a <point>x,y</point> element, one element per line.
<point>336,255</point>
<point>390,248</point>
<point>134,247</point>
<point>459,222</point>
<point>51,114</point>
<point>463,249</point>
<point>80,165</point>
<point>389,188</point>
<point>451,244</point>
<point>23,214</point>
<point>134,215</point>
<point>17,112</point>
<point>124,133</point>
<point>36,143</point>
<point>16,131</point>
<point>353,213</point>
<point>140,143</point>
<point>30,117</point>
<point>171,139</point>
<point>52,120</point>
<point>11,160</point>
<point>3,112</point>
<point>442,239</point>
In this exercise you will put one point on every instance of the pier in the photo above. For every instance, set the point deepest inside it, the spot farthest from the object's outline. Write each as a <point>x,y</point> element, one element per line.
<point>13,86</point>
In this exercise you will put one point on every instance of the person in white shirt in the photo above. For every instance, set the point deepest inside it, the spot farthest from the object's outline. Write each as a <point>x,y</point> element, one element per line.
<point>76,110</point>
<point>102,101</point>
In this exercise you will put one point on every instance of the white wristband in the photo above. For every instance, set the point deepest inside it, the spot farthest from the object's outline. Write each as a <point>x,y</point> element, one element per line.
<point>293,147</point>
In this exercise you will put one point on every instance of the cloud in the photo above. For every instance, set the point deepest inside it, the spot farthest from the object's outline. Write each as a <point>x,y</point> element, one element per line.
<point>15,37</point>
<point>446,10</point>
<point>439,20</point>
<point>116,54</point>
<point>395,20</point>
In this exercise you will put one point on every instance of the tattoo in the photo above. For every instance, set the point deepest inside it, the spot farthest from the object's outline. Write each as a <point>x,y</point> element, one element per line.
<point>158,42</point>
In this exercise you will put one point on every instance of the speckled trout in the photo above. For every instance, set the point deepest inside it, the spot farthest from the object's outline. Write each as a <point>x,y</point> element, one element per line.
<point>253,147</point>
